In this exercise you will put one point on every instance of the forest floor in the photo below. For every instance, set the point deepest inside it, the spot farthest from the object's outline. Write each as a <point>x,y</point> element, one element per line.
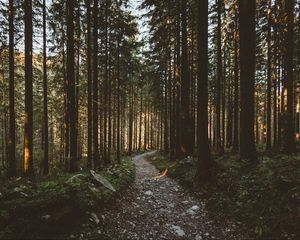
<point>156,207</point>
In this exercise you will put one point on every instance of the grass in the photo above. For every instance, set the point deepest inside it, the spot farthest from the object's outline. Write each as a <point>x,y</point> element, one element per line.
<point>52,205</point>
<point>264,196</point>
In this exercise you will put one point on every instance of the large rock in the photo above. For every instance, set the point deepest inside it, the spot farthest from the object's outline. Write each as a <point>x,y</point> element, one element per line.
<point>100,179</point>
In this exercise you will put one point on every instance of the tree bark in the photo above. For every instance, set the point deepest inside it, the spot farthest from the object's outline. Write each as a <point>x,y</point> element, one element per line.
<point>204,157</point>
<point>289,146</point>
<point>12,170</point>
<point>95,88</point>
<point>89,83</point>
<point>45,88</point>
<point>118,103</point>
<point>186,146</point>
<point>235,146</point>
<point>28,126</point>
<point>269,79</point>
<point>219,79</point>
<point>247,79</point>
<point>71,86</point>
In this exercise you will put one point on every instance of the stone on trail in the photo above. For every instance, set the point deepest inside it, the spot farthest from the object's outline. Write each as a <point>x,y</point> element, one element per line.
<point>171,205</point>
<point>149,193</point>
<point>195,208</point>
<point>46,217</point>
<point>198,237</point>
<point>178,230</point>
<point>94,218</point>
<point>192,210</point>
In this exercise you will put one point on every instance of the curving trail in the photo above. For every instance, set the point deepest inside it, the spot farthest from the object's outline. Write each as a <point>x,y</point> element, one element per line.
<point>157,208</point>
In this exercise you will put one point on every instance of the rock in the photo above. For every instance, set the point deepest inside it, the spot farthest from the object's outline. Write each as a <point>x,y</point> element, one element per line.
<point>198,237</point>
<point>149,193</point>
<point>178,230</point>
<point>141,212</point>
<point>20,188</point>
<point>185,202</point>
<point>46,217</point>
<point>94,218</point>
<point>102,180</point>
<point>192,210</point>
<point>24,194</point>
<point>195,208</point>
<point>171,205</point>
<point>72,236</point>
<point>132,224</point>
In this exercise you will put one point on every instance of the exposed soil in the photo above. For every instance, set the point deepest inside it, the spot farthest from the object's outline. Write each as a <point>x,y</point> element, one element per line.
<point>156,207</point>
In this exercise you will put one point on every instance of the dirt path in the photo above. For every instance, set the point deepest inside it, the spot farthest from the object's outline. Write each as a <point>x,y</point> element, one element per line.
<point>156,208</point>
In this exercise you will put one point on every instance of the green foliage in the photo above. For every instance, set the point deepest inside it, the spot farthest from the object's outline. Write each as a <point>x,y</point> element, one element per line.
<point>24,202</point>
<point>264,196</point>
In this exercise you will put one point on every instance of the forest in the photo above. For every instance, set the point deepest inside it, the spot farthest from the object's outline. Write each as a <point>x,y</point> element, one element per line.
<point>150,119</point>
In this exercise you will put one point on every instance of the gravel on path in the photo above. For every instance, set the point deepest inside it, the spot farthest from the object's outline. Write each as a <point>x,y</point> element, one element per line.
<point>156,207</point>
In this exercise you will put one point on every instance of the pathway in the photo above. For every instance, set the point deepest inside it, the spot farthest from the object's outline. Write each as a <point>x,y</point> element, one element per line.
<point>157,208</point>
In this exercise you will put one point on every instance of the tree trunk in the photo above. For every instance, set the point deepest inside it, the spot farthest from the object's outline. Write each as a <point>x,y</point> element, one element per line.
<point>71,84</point>
<point>28,126</point>
<point>177,86</point>
<point>118,104</point>
<point>219,84</point>
<point>95,88</point>
<point>109,109</point>
<point>12,169</point>
<point>186,146</point>
<point>130,124</point>
<point>46,138</point>
<point>289,146</point>
<point>77,89</point>
<point>269,79</point>
<point>141,121</point>
<point>105,85</point>
<point>235,146</point>
<point>275,103</point>
<point>89,83</point>
<point>166,122</point>
<point>204,157</point>
<point>247,61</point>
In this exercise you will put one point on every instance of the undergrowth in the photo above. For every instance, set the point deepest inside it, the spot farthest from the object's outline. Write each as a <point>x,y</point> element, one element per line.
<point>49,206</point>
<point>264,196</point>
